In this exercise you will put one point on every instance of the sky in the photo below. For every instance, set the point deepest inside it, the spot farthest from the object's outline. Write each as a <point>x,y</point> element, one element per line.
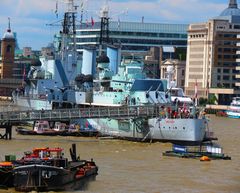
<point>29,18</point>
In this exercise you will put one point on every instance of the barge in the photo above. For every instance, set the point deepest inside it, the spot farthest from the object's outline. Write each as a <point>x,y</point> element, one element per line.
<point>208,151</point>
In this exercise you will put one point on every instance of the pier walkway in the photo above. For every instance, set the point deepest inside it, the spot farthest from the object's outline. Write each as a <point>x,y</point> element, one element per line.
<point>10,118</point>
<point>81,113</point>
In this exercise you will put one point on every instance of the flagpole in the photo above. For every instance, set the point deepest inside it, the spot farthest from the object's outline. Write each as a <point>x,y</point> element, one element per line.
<point>196,93</point>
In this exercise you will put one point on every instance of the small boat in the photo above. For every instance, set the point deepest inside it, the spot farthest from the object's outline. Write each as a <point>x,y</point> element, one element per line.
<point>205,152</point>
<point>234,108</point>
<point>42,128</point>
<point>233,114</point>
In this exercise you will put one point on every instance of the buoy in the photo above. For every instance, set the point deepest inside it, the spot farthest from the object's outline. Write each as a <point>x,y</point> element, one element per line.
<point>205,158</point>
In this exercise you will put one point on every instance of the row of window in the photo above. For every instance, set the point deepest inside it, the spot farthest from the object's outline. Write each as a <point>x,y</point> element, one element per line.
<point>226,77</point>
<point>227,35</point>
<point>234,56</point>
<point>139,34</point>
<point>197,36</point>
<point>136,41</point>
<point>232,50</point>
<point>226,85</point>
<point>225,63</point>
<point>227,70</point>
<point>226,43</point>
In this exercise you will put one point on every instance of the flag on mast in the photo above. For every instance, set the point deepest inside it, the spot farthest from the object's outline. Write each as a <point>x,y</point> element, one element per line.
<point>196,93</point>
<point>207,89</point>
<point>92,21</point>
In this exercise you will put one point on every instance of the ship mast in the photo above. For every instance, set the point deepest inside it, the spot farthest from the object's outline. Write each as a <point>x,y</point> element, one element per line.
<point>69,24</point>
<point>104,33</point>
<point>68,50</point>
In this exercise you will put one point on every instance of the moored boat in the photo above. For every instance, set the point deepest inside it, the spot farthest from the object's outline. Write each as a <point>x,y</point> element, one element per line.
<point>204,152</point>
<point>61,129</point>
<point>46,169</point>
<point>62,176</point>
<point>42,128</point>
<point>58,174</point>
<point>114,84</point>
<point>234,108</point>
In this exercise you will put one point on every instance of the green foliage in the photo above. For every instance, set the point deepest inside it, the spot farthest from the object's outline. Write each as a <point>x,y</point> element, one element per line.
<point>212,99</point>
<point>203,101</point>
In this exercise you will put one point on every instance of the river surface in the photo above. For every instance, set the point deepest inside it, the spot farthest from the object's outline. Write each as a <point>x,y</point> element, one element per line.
<point>130,167</point>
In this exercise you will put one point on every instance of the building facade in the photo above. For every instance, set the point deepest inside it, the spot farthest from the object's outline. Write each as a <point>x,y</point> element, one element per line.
<point>134,37</point>
<point>211,56</point>
<point>179,68</point>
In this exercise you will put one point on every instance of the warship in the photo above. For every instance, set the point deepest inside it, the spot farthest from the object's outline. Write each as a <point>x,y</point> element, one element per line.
<point>66,80</point>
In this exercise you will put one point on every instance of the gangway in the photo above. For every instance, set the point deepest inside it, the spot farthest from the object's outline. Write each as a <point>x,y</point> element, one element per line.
<point>82,113</point>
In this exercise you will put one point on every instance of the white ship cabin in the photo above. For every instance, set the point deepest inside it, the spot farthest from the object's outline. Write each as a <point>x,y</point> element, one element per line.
<point>177,94</point>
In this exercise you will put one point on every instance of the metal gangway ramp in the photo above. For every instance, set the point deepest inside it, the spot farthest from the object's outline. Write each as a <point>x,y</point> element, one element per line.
<point>82,113</point>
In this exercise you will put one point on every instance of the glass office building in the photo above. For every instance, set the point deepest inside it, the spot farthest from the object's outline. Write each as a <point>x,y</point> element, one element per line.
<point>133,36</point>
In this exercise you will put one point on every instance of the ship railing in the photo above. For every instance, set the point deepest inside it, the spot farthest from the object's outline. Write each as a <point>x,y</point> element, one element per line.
<point>96,112</point>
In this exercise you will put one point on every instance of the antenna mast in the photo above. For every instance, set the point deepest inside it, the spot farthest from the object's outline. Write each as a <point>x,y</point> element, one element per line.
<point>104,33</point>
<point>69,26</point>
<point>9,25</point>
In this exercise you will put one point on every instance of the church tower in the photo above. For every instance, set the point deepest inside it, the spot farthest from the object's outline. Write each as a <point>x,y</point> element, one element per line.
<point>7,51</point>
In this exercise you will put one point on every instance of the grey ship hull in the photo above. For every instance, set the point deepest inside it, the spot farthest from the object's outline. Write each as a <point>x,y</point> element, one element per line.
<point>166,130</point>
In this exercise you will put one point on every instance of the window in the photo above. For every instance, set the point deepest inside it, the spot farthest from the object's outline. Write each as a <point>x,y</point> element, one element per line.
<point>9,48</point>
<point>225,77</point>
<point>183,72</point>
<point>226,70</point>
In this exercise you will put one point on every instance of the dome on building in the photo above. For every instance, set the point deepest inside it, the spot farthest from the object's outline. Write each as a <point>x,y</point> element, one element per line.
<point>232,9</point>
<point>8,35</point>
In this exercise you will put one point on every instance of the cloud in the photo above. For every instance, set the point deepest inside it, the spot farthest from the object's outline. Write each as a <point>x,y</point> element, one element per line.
<point>179,11</point>
<point>31,16</point>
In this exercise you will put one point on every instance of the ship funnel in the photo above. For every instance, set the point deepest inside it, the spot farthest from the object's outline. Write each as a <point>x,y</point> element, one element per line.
<point>89,61</point>
<point>114,54</point>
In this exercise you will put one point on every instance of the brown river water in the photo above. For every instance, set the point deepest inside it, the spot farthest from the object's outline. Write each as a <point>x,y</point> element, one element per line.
<point>131,167</point>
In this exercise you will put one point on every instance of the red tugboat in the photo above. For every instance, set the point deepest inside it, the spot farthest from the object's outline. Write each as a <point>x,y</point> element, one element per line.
<point>45,169</point>
<point>48,173</point>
